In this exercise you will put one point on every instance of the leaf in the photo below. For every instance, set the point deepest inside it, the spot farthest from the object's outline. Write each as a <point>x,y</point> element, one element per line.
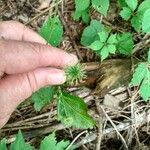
<point>104,53</point>
<point>111,48</point>
<point>112,39</point>
<point>96,45</point>
<point>146,22</point>
<point>20,144</point>
<point>3,144</point>
<point>84,15</point>
<point>139,74</point>
<point>90,33</point>
<point>125,43</point>
<point>52,31</point>
<point>50,142</point>
<point>42,97</point>
<point>148,59</point>
<point>145,91</point>
<point>103,36</point>
<point>101,6</point>
<point>72,111</point>
<point>132,4</point>
<point>136,23</point>
<point>143,7</point>
<point>126,13</point>
<point>82,4</point>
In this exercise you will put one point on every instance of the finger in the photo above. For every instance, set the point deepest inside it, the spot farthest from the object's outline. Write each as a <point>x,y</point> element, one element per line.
<point>16,88</point>
<point>16,31</point>
<point>20,57</point>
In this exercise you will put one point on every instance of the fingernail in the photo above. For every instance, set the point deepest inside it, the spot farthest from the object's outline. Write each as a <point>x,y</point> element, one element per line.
<point>57,78</point>
<point>72,60</point>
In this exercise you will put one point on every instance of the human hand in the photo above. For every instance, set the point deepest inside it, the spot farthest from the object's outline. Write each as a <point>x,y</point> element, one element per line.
<point>26,64</point>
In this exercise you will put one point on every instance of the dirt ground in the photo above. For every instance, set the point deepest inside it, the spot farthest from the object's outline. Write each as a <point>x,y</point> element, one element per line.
<point>123,118</point>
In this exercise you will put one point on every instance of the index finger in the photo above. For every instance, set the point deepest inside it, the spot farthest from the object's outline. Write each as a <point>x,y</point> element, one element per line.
<point>20,57</point>
<point>13,30</point>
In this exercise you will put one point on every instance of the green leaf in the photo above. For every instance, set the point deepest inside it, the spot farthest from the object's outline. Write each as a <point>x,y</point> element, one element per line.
<point>50,142</point>
<point>132,4</point>
<point>52,31</point>
<point>122,3</point>
<point>146,22</point>
<point>84,15</point>
<point>104,53</point>
<point>136,23</point>
<point>112,39</point>
<point>145,91</point>
<point>82,4</point>
<point>126,13</point>
<point>143,7</point>
<point>42,97</point>
<point>101,6</point>
<point>139,74</point>
<point>96,45</point>
<point>148,59</point>
<point>125,43</point>
<point>20,144</point>
<point>3,144</point>
<point>103,36</point>
<point>72,111</point>
<point>90,33</point>
<point>111,48</point>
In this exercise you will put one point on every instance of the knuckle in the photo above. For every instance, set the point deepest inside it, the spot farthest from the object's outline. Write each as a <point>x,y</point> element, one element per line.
<point>32,81</point>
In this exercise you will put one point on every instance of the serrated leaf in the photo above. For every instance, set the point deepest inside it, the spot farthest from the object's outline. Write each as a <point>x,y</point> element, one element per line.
<point>148,59</point>
<point>111,48</point>
<point>82,4</point>
<point>139,74</point>
<point>112,39</point>
<point>52,31</point>
<point>50,142</point>
<point>145,91</point>
<point>72,111</point>
<point>136,23</point>
<point>20,144</point>
<point>90,33</point>
<point>122,3</point>
<point>125,43</point>
<point>143,7</point>
<point>132,4</point>
<point>42,97</point>
<point>101,6</point>
<point>126,13</point>
<point>84,15</point>
<point>104,53</point>
<point>146,22</point>
<point>3,144</point>
<point>96,45</point>
<point>103,36</point>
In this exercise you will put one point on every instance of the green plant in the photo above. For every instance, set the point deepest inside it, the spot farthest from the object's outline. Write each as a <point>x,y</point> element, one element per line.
<point>52,31</point>
<point>141,78</point>
<point>71,110</point>
<point>135,12</point>
<point>47,143</point>
<point>82,9</point>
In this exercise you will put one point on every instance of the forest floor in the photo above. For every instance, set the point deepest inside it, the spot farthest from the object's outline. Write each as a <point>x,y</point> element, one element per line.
<point>123,118</point>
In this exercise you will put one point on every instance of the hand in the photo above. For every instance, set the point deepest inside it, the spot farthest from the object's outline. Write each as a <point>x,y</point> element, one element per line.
<point>26,65</point>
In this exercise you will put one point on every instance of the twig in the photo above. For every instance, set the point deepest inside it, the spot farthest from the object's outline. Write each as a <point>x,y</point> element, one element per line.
<point>100,124</point>
<point>70,36</point>
<point>43,12</point>
<point>75,139</point>
<point>123,140</point>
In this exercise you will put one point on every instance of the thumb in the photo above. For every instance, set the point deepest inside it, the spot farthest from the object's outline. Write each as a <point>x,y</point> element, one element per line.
<point>16,88</point>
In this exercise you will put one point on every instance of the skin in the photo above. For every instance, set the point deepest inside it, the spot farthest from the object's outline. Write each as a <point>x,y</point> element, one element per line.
<point>26,65</point>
